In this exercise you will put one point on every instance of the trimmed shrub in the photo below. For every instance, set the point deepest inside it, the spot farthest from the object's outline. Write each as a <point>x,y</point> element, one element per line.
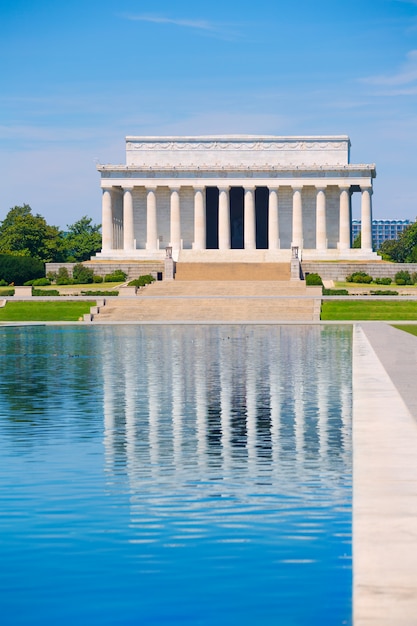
<point>99,293</point>
<point>97,279</point>
<point>359,277</point>
<point>3,283</point>
<point>7,292</point>
<point>335,292</point>
<point>51,276</point>
<point>45,292</point>
<point>82,274</point>
<point>41,282</point>
<point>62,277</point>
<point>19,269</point>
<point>146,279</point>
<point>403,278</point>
<point>383,281</point>
<point>383,292</point>
<point>116,277</point>
<point>313,279</point>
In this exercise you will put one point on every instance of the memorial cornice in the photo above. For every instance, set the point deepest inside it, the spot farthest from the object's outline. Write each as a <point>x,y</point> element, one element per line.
<point>209,171</point>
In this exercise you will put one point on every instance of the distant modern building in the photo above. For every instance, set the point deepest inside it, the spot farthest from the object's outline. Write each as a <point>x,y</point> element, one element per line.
<point>381,230</point>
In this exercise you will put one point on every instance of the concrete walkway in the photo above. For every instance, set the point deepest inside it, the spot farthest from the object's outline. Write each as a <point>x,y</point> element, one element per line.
<point>384,476</point>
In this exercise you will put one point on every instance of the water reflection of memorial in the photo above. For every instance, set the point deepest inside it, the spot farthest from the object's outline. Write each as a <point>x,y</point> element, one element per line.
<point>273,403</point>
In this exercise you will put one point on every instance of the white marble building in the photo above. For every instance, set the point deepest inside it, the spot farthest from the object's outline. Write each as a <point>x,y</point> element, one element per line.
<point>235,198</point>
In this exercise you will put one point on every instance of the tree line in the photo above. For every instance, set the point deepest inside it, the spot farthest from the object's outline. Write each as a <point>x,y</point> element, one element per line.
<point>25,234</point>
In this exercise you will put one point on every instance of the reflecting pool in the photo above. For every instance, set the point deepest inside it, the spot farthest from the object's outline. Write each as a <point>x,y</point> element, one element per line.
<point>175,475</point>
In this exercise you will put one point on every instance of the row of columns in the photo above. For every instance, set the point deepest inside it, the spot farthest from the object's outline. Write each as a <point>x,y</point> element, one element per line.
<point>224,232</point>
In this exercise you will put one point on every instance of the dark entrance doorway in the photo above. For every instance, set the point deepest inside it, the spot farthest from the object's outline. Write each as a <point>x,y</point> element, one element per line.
<point>261,210</point>
<point>236,218</point>
<point>212,218</point>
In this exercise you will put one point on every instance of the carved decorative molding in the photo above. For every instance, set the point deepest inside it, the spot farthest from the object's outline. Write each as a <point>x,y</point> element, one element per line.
<point>238,145</point>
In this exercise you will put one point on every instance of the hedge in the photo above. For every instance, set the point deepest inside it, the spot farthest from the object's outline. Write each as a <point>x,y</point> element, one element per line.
<point>19,269</point>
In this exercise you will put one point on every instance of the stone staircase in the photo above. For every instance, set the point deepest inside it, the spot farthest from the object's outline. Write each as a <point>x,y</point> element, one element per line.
<point>232,271</point>
<point>216,301</point>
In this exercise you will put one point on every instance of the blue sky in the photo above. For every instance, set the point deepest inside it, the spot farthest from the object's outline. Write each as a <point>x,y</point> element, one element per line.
<point>77,77</point>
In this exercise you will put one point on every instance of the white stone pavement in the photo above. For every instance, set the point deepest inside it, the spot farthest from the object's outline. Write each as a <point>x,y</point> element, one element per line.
<point>384,476</point>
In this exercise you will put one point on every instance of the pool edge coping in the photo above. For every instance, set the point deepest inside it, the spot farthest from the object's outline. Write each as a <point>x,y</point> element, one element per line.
<point>384,510</point>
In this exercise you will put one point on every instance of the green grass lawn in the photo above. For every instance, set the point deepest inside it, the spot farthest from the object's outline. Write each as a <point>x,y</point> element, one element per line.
<point>339,284</point>
<point>44,311</point>
<point>63,289</point>
<point>409,328</point>
<point>371,310</point>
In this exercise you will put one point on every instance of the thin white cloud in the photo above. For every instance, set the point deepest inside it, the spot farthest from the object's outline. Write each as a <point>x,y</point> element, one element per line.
<point>46,134</point>
<point>215,29</point>
<point>410,91</point>
<point>406,75</point>
<point>199,24</point>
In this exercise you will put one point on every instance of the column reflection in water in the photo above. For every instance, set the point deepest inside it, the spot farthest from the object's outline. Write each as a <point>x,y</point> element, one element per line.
<point>226,402</point>
<point>250,375</point>
<point>232,393</point>
<point>220,432</point>
<point>200,398</point>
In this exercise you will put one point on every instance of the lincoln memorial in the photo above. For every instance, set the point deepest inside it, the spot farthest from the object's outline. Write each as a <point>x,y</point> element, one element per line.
<point>237,197</point>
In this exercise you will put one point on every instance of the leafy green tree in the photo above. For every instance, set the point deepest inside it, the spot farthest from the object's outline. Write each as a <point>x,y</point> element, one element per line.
<point>82,274</point>
<point>82,240</point>
<point>25,234</point>
<point>62,277</point>
<point>357,241</point>
<point>390,250</point>
<point>403,249</point>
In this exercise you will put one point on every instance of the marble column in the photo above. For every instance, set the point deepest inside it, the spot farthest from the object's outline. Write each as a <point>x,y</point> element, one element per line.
<point>249,220</point>
<point>344,219</point>
<point>321,231</point>
<point>107,220</point>
<point>224,219</point>
<point>273,223</point>
<point>128,228</point>
<point>297,218</point>
<point>151,224</point>
<point>366,218</point>
<point>199,219</point>
<point>175,219</point>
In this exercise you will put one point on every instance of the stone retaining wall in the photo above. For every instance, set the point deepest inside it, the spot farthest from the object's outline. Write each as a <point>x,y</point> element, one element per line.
<point>339,271</point>
<point>101,268</point>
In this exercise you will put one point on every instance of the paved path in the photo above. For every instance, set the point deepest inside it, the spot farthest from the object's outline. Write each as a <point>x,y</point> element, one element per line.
<point>384,476</point>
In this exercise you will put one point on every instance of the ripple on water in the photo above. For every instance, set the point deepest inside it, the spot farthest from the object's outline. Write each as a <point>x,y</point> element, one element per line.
<point>165,475</point>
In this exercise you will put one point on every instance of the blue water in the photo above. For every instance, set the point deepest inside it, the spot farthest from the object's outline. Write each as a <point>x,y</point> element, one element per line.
<point>175,475</point>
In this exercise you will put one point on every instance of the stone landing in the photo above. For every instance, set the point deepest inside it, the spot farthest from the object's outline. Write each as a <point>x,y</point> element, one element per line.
<point>233,271</point>
<point>216,301</point>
